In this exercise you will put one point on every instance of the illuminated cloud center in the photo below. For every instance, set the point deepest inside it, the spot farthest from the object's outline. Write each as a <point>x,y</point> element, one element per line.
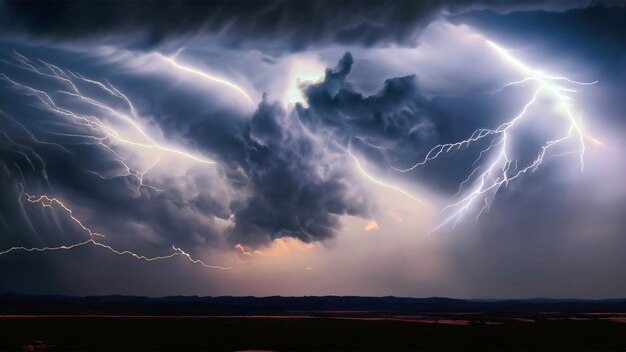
<point>302,71</point>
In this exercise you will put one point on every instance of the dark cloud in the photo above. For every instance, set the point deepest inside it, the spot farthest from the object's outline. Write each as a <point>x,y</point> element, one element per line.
<point>288,183</point>
<point>284,173</point>
<point>272,26</point>
<point>298,189</point>
<point>582,33</point>
<point>335,104</point>
<point>398,125</point>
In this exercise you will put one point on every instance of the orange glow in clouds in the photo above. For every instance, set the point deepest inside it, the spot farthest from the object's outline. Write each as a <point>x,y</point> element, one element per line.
<point>371,226</point>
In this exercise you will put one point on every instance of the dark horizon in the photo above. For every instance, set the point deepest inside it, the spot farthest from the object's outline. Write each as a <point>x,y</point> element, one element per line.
<point>2,294</point>
<point>308,323</point>
<point>27,305</point>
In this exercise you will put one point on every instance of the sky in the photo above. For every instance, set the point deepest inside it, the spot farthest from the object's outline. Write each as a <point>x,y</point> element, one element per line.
<point>432,148</point>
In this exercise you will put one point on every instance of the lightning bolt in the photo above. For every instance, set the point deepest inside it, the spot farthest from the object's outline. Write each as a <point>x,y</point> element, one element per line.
<point>91,241</point>
<point>203,75</point>
<point>378,181</point>
<point>93,122</point>
<point>503,168</point>
<point>49,202</point>
<point>102,134</point>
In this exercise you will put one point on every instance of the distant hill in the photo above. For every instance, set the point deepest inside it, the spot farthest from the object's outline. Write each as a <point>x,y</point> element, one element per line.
<point>16,304</point>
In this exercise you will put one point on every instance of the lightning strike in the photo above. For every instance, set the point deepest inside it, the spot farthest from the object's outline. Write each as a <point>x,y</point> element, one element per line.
<point>177,252</point>
<point>503,168</point>
<point>93,122</point>
<point>203,75</point>
<point>378,181</point>
<point>48,202</point>
<point>103,133</point>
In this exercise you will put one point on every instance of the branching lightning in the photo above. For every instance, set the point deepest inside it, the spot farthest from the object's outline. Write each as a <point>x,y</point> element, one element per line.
<point>98,125</point>
<point>503,168</point>
<point>177,252</point>
<point>103,134</point>
<point>49,202</point>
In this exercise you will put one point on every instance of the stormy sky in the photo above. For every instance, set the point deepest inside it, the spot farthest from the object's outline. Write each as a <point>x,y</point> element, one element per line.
<point>419,148</point>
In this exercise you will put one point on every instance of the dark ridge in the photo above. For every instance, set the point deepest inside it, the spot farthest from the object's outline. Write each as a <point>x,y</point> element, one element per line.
<point>17,304</point>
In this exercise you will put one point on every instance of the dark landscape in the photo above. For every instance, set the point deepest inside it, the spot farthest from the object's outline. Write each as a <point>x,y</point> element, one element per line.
<point>308,323</point>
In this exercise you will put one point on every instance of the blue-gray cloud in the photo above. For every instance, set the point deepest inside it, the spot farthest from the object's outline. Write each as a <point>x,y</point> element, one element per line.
<point>283,172</point>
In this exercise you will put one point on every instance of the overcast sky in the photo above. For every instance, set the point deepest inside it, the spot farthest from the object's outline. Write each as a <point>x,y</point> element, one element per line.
<point>460,149</point>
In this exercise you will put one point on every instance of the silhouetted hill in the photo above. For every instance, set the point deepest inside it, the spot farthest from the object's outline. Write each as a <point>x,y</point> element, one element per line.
<point>16,304</point>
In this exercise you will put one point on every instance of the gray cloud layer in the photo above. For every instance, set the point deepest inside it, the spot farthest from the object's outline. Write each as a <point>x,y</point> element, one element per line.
<point>285,173</point>
<point>270,26</point>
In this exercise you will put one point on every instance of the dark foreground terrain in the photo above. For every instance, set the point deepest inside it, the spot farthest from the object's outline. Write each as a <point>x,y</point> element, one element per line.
<point>126,333</point>
<point>308,323</point>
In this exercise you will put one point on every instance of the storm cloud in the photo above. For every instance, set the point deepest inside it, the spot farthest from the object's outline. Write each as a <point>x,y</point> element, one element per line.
<point>271,26</point>
<point>155,157</point>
